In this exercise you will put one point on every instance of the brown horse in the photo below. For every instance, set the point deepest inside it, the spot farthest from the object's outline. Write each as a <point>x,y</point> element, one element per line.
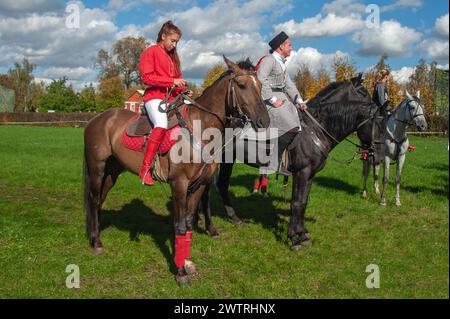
<point>106,157</point>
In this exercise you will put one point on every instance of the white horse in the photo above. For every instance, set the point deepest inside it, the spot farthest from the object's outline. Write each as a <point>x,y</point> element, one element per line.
<point>409,112</point>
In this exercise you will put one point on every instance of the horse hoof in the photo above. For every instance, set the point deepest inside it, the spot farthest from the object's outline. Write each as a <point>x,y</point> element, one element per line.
<point>98,251</point>
<point>191,270</point>
<point>383,204</point>
<point>364,195</point>
<point>398,204</point>
<point>183,280</point>
<point>296,247</point>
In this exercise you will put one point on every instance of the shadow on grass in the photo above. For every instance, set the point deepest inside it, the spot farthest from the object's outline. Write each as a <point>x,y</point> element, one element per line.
<point>255,209</point>
<point>336,184</point>
<point>436,166</point>
<point>138,219</point>
<point>419,189</point>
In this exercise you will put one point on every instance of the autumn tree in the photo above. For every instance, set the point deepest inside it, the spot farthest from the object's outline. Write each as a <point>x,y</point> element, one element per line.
<point>110,93</point>
<point>37,89</point>
<point>321,80</point>
<point>304,80</point>
<point>122,61</point>
<point>21,78</point>
<point>212,75</point>
<point>105,63</point>
<point>423,80</point>
<point>127,52</point>
<point>343,68</point>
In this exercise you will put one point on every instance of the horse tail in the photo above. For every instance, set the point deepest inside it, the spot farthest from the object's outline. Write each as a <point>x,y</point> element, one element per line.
<point>87,199</point>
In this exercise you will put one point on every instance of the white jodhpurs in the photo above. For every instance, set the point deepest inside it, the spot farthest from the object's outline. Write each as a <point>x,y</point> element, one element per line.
<point>159,119</point>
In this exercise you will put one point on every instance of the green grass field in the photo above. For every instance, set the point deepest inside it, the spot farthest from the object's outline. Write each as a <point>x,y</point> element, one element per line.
<point>42,231</point>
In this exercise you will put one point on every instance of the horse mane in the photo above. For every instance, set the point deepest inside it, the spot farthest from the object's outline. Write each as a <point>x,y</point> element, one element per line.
<point>337,117</point>
<point>243,64</point>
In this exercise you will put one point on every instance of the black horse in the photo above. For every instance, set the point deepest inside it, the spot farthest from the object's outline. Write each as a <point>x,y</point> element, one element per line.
<point>340,109</point>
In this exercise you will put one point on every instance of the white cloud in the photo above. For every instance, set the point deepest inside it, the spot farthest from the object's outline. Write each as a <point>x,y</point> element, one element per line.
<point>205,37</point>
<point>391,38</point>
<point>441,27</point>
<point>130,30</point>
<point>45,39</point>
<point>123,6</point>
<point>206,23</point>
<point>402,76</point>
<point>198,56</point>
<point>344,7</point>
<point>312,58</point>
<point>400,4</point>
<point>319,26</point>
<point>15,8</point>
<point>78,73</point>
<point>437,47</point>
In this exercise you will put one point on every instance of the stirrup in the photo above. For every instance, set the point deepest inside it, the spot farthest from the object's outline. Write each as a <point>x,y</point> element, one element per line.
<point>283,171</point>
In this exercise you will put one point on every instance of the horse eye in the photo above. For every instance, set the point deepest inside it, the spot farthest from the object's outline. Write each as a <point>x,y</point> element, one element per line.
<point>242,86</point>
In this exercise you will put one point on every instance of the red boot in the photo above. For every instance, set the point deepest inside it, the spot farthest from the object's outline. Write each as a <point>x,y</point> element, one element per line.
<point>156,137</point>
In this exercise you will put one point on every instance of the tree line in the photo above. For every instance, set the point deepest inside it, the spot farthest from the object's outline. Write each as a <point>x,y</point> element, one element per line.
<point>118,78</point>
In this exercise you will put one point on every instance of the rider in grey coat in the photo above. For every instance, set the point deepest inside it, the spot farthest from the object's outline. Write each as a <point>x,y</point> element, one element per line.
<point>280,94</point>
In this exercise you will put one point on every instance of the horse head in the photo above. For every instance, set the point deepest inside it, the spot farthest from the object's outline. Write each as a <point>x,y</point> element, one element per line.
<point>414,111</point>
<point>245,93</point>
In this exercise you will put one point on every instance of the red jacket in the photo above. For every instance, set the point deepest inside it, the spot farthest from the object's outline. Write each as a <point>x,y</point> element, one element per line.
<point>158,72</point>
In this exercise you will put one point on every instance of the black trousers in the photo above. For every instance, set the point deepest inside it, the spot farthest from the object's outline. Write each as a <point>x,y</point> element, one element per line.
<point>284,141</point>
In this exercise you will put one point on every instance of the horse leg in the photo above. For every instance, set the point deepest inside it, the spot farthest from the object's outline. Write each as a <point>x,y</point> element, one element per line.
<point>400,163</point>
<point>193,201</point>
<point>112,171</point>
<point>387,162</point>
<point>207,212</point>
<point>376,173</point>
<point>223,184</point>
<point>300,192</point>
<point>179,196</point>
<point>93,180</point>
<point>366,168</point>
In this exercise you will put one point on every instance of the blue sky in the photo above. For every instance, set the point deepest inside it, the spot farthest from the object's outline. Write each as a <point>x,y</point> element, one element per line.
<point>320,30</point>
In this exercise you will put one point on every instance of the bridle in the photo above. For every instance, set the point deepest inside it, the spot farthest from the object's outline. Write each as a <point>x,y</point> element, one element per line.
<point>233,108</point>
<point>233,103</point>
<point>412,116</point>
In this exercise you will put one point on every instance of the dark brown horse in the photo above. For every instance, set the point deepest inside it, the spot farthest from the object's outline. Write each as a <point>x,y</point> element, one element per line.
<point>106,157</point>
<point>336,111</point>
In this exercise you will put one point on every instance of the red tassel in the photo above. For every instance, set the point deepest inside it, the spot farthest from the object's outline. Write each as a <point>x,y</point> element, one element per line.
<point>411,147</point>
<point>364,156</point>
<point>180,250</point>
<point>188,245</point>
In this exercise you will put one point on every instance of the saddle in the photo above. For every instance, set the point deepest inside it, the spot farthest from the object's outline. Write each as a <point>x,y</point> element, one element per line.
<point>141,126</point>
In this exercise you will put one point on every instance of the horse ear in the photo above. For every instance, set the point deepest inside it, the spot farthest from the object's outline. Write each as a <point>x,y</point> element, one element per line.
<point>418,94</point>
<point>248,61</point>
<point>231,65</point>
<point>409,96</point>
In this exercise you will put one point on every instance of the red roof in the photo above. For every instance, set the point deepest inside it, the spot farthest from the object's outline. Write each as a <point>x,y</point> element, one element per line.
<point>136,97</point>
